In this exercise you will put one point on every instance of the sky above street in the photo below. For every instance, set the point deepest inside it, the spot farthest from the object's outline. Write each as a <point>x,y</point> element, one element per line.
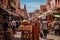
<point>32,5</point>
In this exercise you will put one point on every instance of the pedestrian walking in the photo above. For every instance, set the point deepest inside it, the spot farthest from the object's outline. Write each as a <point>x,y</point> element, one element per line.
<point>5,24</point>
<point>45,28</point>
<point>36,30</point>
<point>17,23</point>
<point>56,26</point>
<point>56,29</point>
<point>31,21</point>
<point>59,27</point>
<point>5,27</point>
<point>26,30</point>
<point>1,29</point>
<point>13,26</point>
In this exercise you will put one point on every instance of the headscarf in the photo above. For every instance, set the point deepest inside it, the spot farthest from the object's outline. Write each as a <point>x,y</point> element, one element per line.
<point>25,22</point>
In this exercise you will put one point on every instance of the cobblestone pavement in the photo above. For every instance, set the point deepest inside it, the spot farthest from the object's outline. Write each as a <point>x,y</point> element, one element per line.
<point>17,36</point>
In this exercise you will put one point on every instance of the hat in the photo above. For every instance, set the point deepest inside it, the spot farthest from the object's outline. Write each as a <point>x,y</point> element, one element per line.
<point>25,22</point>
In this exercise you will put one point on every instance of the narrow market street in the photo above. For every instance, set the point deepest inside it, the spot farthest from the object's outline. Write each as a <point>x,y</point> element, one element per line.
<point>29,19</point>
<point>17,36</point>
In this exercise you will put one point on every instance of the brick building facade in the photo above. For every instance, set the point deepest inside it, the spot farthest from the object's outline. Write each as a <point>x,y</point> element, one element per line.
<point>32,15</point>
<point>43,8</point>
<point>55,3</point>
<point>23,12</point>
<point>14,6</point>
<point>48,4</point>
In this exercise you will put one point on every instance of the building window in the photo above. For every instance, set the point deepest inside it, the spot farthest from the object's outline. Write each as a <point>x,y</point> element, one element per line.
<point>58,1</point>
<point>4,2</point>
<point>1,1</point>
<point>55,2</point>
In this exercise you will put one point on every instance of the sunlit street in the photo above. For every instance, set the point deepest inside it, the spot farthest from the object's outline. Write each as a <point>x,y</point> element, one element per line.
<point>29,19</point>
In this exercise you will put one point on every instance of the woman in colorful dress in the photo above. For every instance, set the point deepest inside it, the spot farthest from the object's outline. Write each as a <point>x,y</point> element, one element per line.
<point>26,30</point>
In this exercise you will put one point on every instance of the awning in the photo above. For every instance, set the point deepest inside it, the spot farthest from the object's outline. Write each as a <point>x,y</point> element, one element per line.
<point>2,10</point>
<point>57,16</point>
<point>10,13</point>
<point>13,5</point>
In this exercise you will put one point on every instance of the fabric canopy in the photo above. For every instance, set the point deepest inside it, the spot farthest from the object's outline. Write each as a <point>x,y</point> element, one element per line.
<point>57,16</point>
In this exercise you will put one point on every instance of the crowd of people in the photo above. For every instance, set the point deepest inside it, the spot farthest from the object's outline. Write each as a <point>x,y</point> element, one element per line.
<point>41,29</point>
<point>8,28</point>
<point>31,29</point>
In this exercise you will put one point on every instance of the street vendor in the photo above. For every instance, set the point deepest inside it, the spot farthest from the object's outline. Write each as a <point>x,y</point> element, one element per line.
<point>26,29</point>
